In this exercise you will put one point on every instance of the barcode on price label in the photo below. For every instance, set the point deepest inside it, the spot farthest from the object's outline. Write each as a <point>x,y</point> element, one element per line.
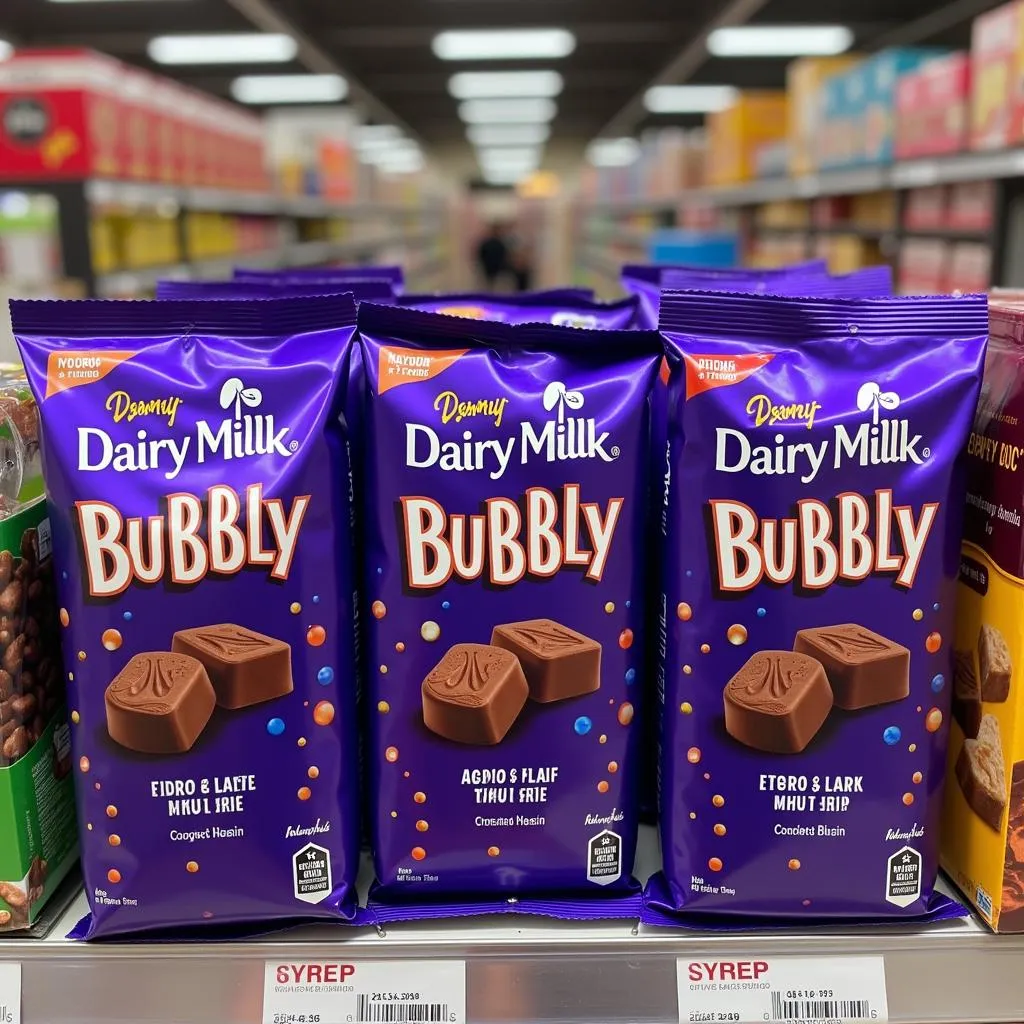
<point>808,990</point>
<point>364,992</point>
<point>369,1012</point>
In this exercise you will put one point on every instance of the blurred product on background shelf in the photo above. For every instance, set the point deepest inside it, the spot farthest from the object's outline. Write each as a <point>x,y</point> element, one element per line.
<point>933,108</point>
<point>805,79</point>
<point>737,134</point>
<point>997,64</point>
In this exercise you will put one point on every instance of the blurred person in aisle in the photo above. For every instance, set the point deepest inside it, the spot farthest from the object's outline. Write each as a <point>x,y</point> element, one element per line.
<point>521,265</point>
<point>492,255</point>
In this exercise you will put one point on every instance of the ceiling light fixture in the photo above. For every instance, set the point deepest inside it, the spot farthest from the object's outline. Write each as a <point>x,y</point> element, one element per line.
<point>504,179</point>
<point>780,41</point>
<point>468,85</point>
<point>509,156</point>
<point>525,111</point>
<point>508,134</point>
<point>401,162</point>
<point>237,48</point>
<point>396,149</point>
<point>613,152</point>
<point>689,99</point>
<point>504,44</point>
<point>267,90</point>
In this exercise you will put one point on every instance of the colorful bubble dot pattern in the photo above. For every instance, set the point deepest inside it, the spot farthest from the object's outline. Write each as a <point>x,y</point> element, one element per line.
<point>323,713</point>
<point>762,612</point>
<point>892,735</point>
<point>630,676</point>
<point>933,720</point>
<point>932,643</point>
<point>275,726</point>
<point>582,725</point>
<point>325,676</point>
<point>127,616</point>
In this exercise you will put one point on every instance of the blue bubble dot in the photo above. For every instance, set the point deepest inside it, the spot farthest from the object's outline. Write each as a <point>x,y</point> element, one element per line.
<point>316,599</point>
<point>63,574</point>
<point>275,726</point>
<point>380,571</point>
<point>938,682</point>
<point>127,616</point>
<point>935,607</point>
<point>582,725</point>
<point>892,735</point>
<point>689,572</point>
<point>325,676</point>
<point>630,676</point>
<point>762,612</point>
<point>628,603</point>
<point>446,605</point>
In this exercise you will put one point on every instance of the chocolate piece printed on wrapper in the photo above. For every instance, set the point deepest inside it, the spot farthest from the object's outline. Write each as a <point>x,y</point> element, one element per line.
<point>474,694</point>
<point>159,703</point>
<point>559,663</point>
<point>863,667</point>
<point>777,702</point>
<point>981,772</point>
<point>994,663</point>
<point>967,709</point>
<point>244,666</point>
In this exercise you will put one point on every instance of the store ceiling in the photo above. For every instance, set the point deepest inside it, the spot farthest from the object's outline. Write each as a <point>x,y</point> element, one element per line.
<point>622,45</point>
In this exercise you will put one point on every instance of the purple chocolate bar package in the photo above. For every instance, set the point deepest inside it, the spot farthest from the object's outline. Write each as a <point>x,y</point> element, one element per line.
<point>503,506</point>
<point>320,275</point>
<point>198,483</point>
<point>813,499</point>
<point>368,289</point>
<point>565,307</point>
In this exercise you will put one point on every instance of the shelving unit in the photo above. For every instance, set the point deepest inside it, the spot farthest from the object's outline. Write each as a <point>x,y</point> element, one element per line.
<point>368,232</point>
<point>517,968</point>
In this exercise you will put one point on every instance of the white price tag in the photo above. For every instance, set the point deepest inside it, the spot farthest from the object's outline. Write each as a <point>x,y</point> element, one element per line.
<point>10,993</point>
<point>782,989</point>
<point>379,992</point>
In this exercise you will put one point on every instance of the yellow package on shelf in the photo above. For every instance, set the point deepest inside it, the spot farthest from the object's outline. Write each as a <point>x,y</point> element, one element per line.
<point>737,133</point>
<point>805,79</point>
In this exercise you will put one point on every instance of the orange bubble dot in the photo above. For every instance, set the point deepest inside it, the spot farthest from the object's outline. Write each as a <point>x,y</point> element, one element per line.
<point>301,741</point>
<point>391,755</point>
<point>933,720</point>
<point>323,713</point>
<point>715,864</point>
<point>111,811</point>
<point>420,798</point>
<point>111,639</point>
<point>917,615</point>
<point>687,670</point>
<point>908,798</point>
<point>609,607</point>
<point>625,713</point>
<point>686,708</point>
<point>83,764</point>
<point>114,840</point>
<point>718,801</point>
<point>613,766</point>
<point>793,865</point>
<point>626,639</point>
<point>493,851</point>
<point>82,655</point>
<point>430,631</point>
<point>684,611</point>
<point>602,786</point>
<point>383,670</point>
<point>379,609</point>
<point>422,826</point>
<point>394,814</point>
<point>916,778</point>
<point>192,867</point>
<point>418,853</point>
<point>719,830</point>
<point>75,717</point>
<point>400,647</point>
<point>295,607</point>
<point>932,643</point>
<point>602,738</point>
<point>705,648</point>
<point>315,636</point>
<point>65,618</point>
<point>912,747</point>
<point>113,876</point>
<point>693,755</point>
<point>313,772</point>
<point>305,793</point>
<point>736,634</point>
<point>693,815</point>
<point>383,707</point>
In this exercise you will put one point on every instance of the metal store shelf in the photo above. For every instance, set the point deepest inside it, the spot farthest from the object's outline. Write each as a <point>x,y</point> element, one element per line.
<point>518,969</point>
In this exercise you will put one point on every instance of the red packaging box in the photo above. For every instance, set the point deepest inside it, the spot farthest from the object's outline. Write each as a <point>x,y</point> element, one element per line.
<point>972,206</point>
<point>923,265</point>
<point>925,209</point>
<point>969,269</point>
<point>60,112</point>
<point>997,48</point>
<point>933,108</point>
